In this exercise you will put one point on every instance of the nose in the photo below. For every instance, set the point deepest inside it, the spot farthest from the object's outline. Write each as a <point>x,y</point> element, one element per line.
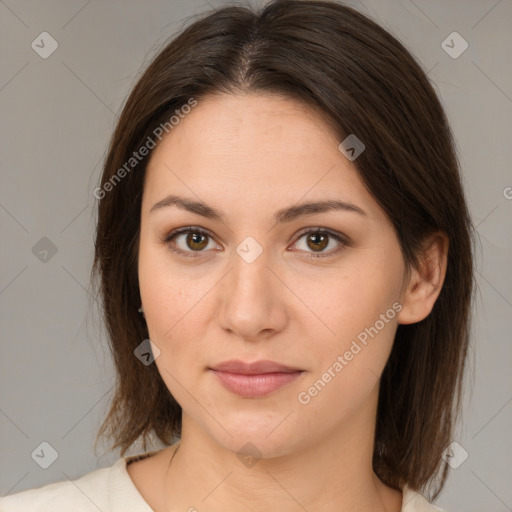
<point>252,301</point>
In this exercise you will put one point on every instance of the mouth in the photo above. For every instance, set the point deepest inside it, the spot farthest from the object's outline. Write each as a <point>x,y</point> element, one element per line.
<point>254,380</point>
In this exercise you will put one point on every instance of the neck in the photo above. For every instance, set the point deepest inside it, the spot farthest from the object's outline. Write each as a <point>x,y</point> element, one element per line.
<point>333,473</point>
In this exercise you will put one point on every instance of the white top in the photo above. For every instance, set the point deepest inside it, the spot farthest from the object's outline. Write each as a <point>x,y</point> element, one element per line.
<point>111,489</point>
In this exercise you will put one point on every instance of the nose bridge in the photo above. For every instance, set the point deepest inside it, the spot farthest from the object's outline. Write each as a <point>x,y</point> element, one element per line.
<point>250,279</point>
<point>250,269</point>
<point>251,300</point>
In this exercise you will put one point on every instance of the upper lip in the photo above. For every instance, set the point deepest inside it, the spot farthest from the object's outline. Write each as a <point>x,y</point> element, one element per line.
<point>256,367</point>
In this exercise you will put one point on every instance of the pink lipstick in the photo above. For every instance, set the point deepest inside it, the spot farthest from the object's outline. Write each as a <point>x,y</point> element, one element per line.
<point>253,380</point>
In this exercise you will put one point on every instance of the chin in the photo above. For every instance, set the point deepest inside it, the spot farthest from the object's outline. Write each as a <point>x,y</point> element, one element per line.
<point>259,439</point>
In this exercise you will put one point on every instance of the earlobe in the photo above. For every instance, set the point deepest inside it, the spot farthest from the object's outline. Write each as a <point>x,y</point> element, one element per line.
<point>426,281</point>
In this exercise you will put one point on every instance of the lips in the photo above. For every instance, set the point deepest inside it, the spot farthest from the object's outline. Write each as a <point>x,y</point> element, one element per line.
<point>255,368</point>
<point>254,380</point>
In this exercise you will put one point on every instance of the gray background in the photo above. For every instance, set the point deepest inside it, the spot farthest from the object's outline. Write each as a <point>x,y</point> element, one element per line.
<point>57,117</point>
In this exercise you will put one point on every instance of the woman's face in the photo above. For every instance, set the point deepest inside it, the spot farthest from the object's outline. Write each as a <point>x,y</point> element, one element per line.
<point>250,286</point>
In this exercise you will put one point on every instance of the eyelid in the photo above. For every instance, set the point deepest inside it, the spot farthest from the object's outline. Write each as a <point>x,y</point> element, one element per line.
<point>342,239</point>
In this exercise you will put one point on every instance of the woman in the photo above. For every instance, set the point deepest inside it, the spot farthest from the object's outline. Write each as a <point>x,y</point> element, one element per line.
<point>285,262</point>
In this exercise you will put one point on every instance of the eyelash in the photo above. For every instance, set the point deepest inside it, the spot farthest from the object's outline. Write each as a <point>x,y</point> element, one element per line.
<point>195,254</point>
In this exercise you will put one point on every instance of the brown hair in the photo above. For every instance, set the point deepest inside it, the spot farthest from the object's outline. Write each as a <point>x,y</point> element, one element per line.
<point>365,82</point>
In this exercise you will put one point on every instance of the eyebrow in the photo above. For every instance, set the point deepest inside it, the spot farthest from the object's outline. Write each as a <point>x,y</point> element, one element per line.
<point>281,216</point>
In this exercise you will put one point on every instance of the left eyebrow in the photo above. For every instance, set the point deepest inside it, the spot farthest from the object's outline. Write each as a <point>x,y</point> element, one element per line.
<point>292,212</point>
<point>281,216</point>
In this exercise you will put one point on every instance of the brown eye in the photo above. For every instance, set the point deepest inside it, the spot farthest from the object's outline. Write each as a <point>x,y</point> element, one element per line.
<point>317,240</point>
<point>196,241</point>
<point>189,242</point>
<point>192,242</point>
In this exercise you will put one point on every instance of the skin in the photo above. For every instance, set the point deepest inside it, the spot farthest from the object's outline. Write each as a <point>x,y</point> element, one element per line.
<point>249,155</point>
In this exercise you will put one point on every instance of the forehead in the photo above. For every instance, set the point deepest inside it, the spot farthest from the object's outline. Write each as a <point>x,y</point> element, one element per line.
<point>252,146</point>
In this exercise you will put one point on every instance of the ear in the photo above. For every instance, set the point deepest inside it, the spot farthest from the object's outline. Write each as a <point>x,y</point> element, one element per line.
<point>425,282</point>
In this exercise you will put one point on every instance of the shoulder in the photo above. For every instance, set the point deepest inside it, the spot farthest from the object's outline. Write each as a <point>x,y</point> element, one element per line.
<point>415,502</point>
<point>86,493</point>
<point>107,489</point>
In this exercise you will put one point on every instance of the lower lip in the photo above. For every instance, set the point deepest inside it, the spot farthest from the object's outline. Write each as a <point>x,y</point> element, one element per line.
<point>254,386</point>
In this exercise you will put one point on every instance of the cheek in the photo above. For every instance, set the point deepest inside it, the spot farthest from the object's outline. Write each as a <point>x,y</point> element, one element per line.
<point>172,294</point>
<point>348,365</point>
<point>355,317</point>
<point>351,298</point>
<point>175,321</point>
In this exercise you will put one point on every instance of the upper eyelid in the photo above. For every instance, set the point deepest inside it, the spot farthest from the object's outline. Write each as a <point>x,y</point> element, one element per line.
<point>187,229</point>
